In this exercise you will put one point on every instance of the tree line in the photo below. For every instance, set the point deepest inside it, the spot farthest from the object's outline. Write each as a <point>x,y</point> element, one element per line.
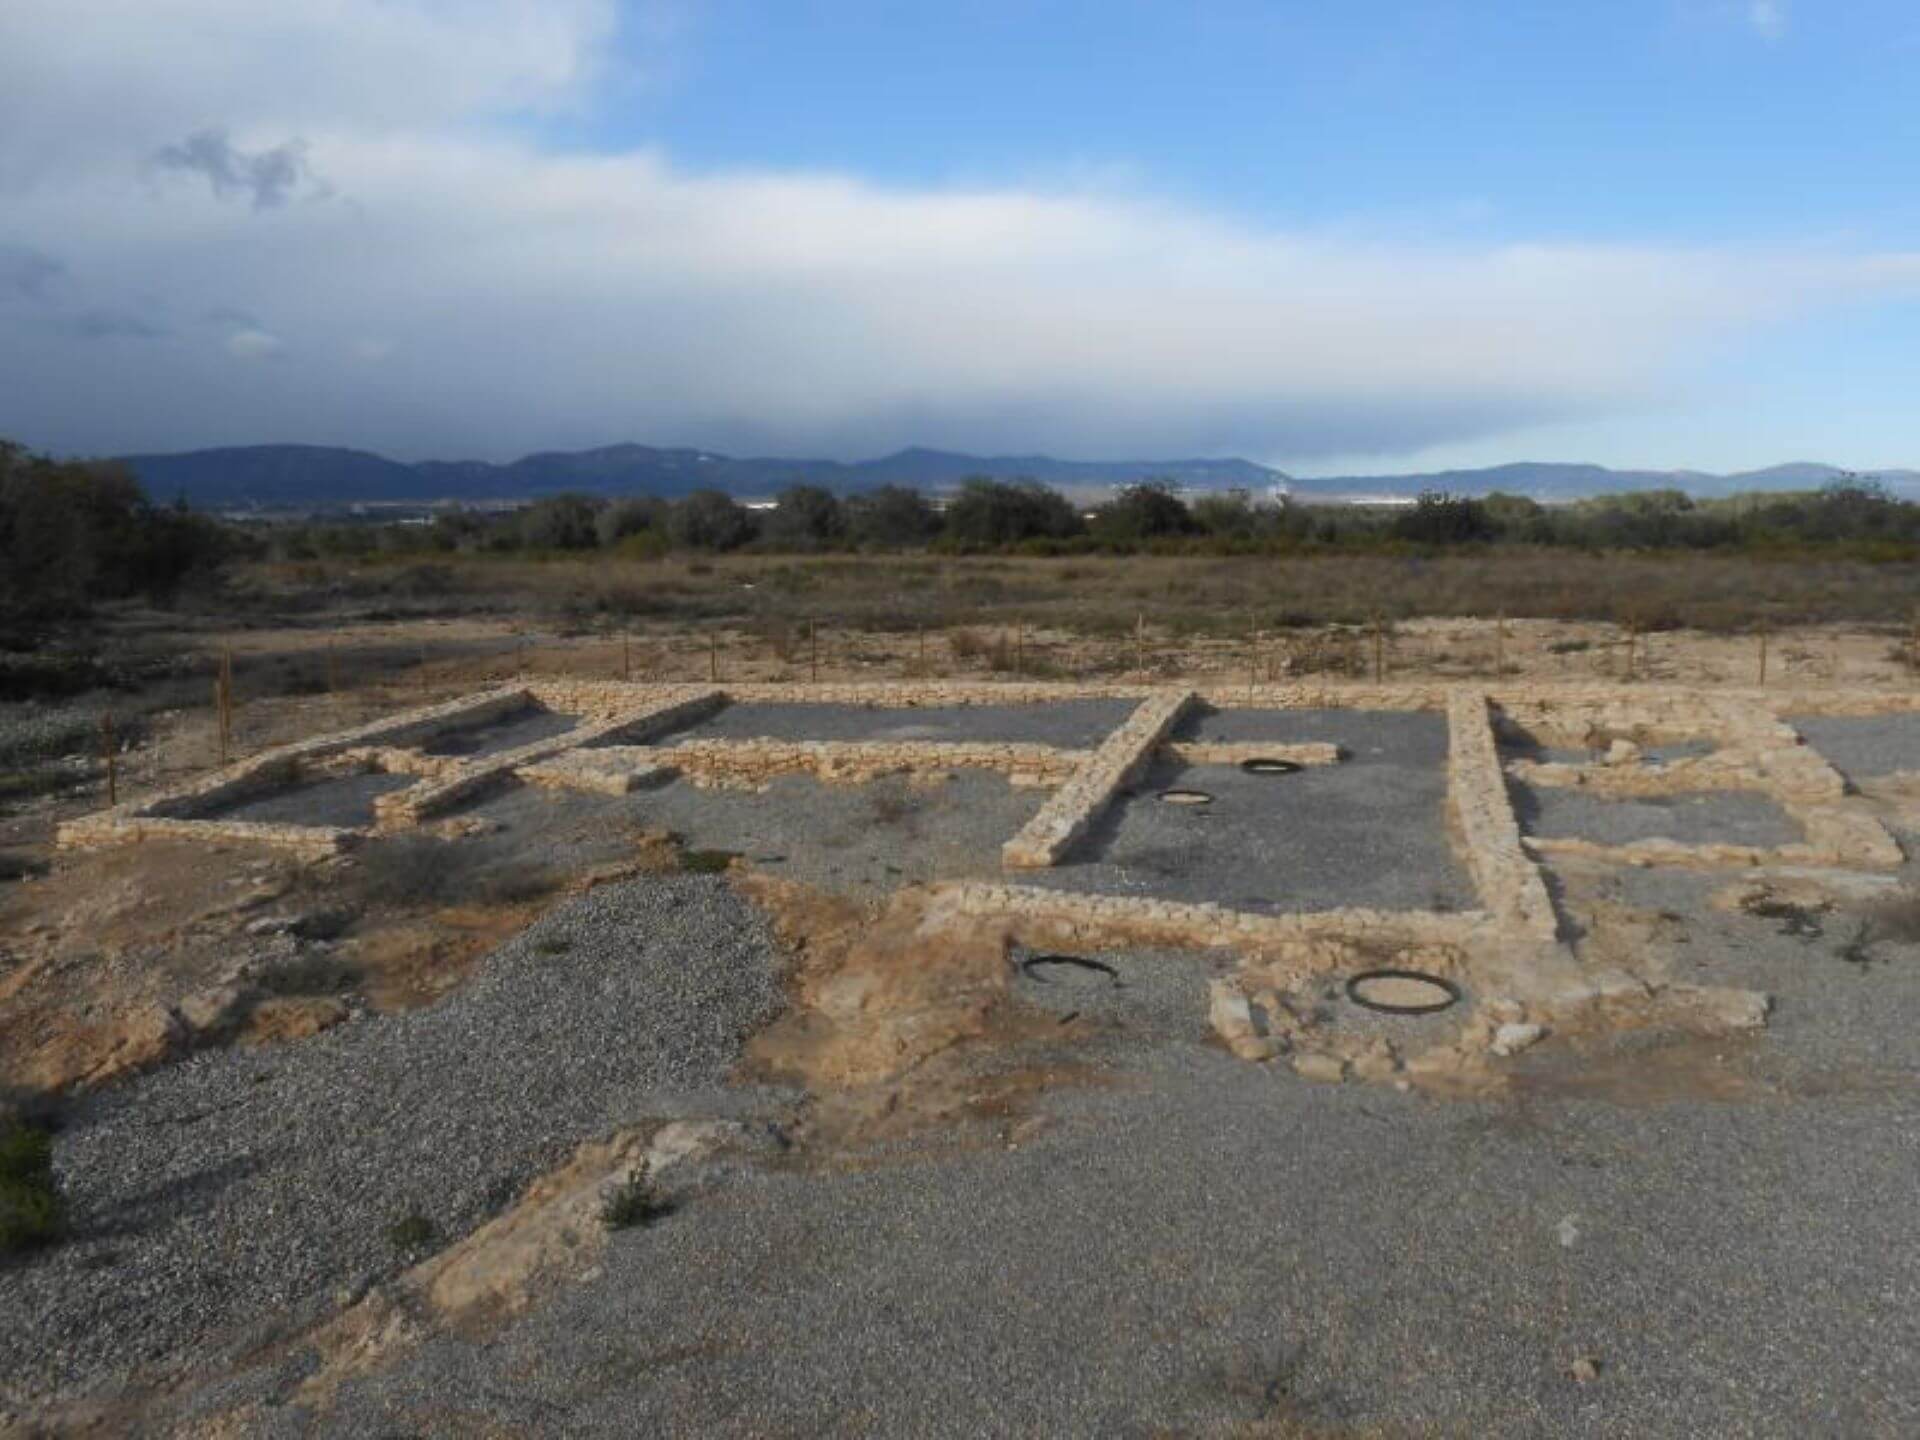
<point>74,533</point>
<point>985,516</point>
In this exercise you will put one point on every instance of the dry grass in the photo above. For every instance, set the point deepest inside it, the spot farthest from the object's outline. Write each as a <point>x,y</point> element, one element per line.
<point>1105,594</point>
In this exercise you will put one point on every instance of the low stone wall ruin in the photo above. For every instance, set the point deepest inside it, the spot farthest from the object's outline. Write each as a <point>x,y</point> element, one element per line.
<point>1074,807</point>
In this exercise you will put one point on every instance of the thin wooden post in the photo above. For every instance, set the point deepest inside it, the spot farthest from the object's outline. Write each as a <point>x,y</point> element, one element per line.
<point>923,645</point>
<point>111,752</point>
<point>1631,636</point>
<point>1763,654</point>
<point>1020,647</point>
<point>813,644</point>
<point>1379,652</point>
<point>626,656</point>
<point>1140,641</point>
<point>713,657</point>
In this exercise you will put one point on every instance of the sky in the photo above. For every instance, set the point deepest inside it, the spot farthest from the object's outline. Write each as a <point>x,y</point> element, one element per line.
<point>1378,236</point>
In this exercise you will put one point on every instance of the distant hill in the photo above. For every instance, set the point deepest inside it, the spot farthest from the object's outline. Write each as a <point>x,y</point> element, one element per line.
<point>306,476</point>
<point>317,476</point>
<point>1547,481</point>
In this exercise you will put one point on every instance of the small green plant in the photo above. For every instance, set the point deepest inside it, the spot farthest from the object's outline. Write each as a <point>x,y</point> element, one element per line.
<point>30,1210</point>
<point>707,862</point>
<point>412,1231</point>
<point>635,1201</point>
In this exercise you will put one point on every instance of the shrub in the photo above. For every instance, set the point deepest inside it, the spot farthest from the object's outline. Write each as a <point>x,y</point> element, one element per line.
<point>412,1231</point>
<point>30,1210</point>
<point>635,1201</point>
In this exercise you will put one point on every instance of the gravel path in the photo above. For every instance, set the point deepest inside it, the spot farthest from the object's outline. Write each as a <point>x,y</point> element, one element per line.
<point>1069,724</point>
<point>1726,817</point>
<point>247,1186</point>
<point>1411,738</point>
<point>1862,746</point>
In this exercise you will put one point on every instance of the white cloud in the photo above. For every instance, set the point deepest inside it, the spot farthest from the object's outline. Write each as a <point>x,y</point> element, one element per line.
<point>549,299</point>
<point>1768,17</point>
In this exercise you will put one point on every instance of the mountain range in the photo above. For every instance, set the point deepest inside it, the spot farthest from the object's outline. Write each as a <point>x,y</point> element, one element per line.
<point>308,477</point>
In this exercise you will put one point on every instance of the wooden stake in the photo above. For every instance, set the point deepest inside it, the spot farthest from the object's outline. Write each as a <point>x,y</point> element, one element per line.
<point>923,646</point>
<point>813,643</point>
<point>713,657</point>
<point>111,751</point>
<point>1140,641</point>
<point>1379,652</point>
<point>626,656</point>
<point>1763,654</point>
<point>1630,639</point>
<point>1500,645</point>
<point>1019,647</point>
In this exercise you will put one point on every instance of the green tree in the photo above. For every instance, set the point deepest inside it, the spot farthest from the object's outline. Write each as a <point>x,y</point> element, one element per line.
<point>805,517</point>
<point>1149,510</point>
<point>892,516</point>
<point>992,513</point>
<point>709,520</point>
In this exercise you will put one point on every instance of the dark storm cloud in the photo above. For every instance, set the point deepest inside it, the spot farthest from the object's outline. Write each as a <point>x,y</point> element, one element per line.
<point>28,272</point>
<point>269,177</point>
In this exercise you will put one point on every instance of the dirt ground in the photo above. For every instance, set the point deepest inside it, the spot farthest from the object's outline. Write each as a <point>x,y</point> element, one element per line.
<point>908,1043</point>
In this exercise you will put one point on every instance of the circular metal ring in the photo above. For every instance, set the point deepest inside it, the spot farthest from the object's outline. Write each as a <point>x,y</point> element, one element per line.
<point>1030,967</point>
<point>1452,991</point>
<point>1271,765</point>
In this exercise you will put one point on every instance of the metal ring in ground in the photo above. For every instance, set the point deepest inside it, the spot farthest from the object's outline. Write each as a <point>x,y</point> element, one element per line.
<point>1271,765</point>
<point>1186,797</point>
<point>1451,991</point>
<point>1030,967</point>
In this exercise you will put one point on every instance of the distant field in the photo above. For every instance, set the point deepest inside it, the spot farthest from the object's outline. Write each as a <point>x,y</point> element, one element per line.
<point>1100,594</point>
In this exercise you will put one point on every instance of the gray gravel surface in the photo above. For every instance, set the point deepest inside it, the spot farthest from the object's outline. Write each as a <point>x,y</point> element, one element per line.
<point>1069,724</point>
<point>345,800</point>
<point>1204,1244</point>
<point>246,1187</point>
<point>853,839</point>
<point>523,727</point>
<point>1862,746</point>
<point>1411,738</point>
<point>1728,817</point>
<point>1370,830</point>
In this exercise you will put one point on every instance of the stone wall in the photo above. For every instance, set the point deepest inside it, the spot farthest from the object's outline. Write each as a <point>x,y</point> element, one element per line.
<point>1074,807</point>
<point>1508,881</point>
<point>666,709</point>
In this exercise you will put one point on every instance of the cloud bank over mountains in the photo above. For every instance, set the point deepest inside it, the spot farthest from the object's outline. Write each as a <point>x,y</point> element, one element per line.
<point>337,221</point>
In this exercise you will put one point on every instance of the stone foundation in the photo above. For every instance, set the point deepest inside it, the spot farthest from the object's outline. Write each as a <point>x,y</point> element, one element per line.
<point>1074,807</point>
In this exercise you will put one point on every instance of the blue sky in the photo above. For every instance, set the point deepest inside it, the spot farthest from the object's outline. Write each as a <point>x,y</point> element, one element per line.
<point>1376,236</point>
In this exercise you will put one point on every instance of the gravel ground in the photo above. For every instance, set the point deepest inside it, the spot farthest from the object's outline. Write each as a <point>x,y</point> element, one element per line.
<point>1069,724</point>
<point>1205,1244</point>
<point>1729,817</point>
<point>523,727</point>
<point>1370,830</point>
<point>334,800</point>
<point>1571,755</point>
<point>853,839</point>
<point>1862,746</point>
<point>246,1187</point>
<point>1410,738</point>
